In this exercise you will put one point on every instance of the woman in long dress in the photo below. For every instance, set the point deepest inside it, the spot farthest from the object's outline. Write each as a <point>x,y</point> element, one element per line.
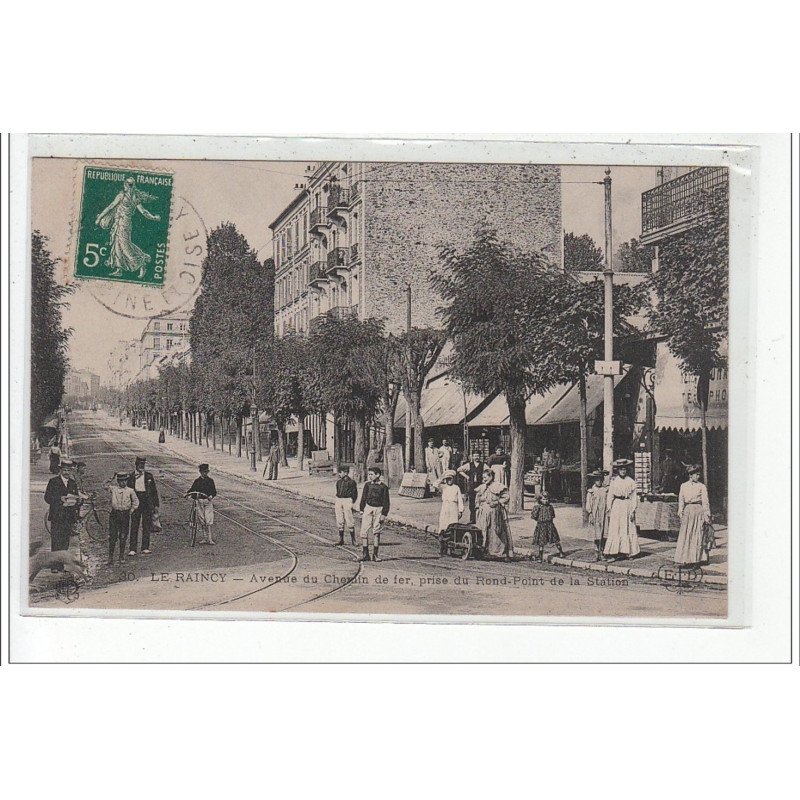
<point>694,512</point>
<point>452,501</point>
<point>124,255</point>
<point>500,464</point>
<point>622,500</point>
<point>596,498</point>
<point>491,499</point>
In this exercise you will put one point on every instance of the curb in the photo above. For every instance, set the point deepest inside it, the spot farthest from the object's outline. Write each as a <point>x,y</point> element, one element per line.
<point>595,566</point>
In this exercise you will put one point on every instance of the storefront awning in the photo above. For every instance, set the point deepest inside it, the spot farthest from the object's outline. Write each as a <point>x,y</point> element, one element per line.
<point>676,394</point>
<point>559,405</point>
<point>440,405</point>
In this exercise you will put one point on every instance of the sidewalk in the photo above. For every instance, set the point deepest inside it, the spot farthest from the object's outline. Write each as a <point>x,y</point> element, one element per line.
<point>46,582</point>
<point>423,515</point>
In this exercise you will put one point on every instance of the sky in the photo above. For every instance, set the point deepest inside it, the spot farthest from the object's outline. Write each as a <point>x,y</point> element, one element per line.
<point>251,194</point>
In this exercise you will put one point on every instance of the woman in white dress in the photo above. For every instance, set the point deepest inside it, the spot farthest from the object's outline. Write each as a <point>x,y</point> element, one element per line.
<point>452,501</point>
<point>694,512</point>
<point>621,536</point>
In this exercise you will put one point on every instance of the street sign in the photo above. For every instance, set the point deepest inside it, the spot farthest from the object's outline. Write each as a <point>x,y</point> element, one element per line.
<point>608,367</point>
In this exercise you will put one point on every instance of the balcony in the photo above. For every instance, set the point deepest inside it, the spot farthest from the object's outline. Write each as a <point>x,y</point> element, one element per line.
<point>354,254</point>
<point>316,274</point>
<point>318,220</point>
<point>355,192</point>
<point>680,204</point>
<point>337,201</point>
<point>338,257</point>
<point>343,312</point>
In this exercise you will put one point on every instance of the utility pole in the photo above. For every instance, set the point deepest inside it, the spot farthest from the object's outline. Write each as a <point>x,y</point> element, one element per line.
<point>254,426</point>
<point>409,438</point>
<point>609,368</point>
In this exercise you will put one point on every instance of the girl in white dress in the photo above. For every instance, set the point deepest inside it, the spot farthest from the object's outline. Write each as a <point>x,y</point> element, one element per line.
<point>621,536</point>
<point>452,501</point>
<point>694,512</point>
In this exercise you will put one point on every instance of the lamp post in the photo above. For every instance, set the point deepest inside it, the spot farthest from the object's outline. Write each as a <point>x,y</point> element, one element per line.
<point>608,339</point>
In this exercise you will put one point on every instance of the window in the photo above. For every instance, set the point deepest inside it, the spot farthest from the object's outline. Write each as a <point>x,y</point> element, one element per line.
<point>157,344</point>
<point>169,326</point>
<point>305,229</point>
<point>156,326</point>
<point>169,344</point>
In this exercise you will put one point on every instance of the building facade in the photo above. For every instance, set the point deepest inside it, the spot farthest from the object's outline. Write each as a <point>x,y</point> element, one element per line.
<point>669,210</point>
<point>357,234</point>
<point>161,337</point>
<point>81,383</point>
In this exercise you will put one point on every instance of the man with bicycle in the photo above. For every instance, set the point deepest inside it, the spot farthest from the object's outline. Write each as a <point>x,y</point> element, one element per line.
<point>62,496</point>
<point>204,491</point>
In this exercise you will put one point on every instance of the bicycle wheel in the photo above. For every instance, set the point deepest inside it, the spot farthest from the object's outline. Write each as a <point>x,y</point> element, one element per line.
<point>193,525</point>
<point>96,524</point>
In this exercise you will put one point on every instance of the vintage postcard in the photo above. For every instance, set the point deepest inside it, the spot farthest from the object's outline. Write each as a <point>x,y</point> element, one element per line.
<point>457,388</point>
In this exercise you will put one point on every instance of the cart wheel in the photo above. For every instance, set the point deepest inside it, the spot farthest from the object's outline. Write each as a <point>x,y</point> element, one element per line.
<point>466,544</point>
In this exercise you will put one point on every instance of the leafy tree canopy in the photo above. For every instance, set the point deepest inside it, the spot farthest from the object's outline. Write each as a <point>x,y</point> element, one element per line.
<point>581,254</point>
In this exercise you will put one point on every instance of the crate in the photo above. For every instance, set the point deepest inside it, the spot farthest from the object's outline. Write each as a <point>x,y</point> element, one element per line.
<point>414,484</point>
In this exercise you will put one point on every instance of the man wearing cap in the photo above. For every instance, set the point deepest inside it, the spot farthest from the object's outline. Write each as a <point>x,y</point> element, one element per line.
<point>123,503</point>
<point>62,497</point>
<point>205,506</point>
<point>374,509</point>
<point>144,484</point>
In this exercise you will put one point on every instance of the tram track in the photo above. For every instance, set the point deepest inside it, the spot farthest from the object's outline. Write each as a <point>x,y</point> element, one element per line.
<point>293,554</point>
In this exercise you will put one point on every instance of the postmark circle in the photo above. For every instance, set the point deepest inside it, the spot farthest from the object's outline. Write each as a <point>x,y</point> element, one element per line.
<point>182,274</point>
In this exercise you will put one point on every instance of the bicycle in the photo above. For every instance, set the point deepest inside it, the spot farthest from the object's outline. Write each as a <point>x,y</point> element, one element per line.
<point>91,519</point>
<point>194,516</point>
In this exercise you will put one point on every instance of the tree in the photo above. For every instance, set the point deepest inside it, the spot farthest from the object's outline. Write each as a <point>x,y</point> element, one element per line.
<point>417,352</point>
<point>231,325</point>
<point>345,374</point>
<point>49,338</point>
<point>495,299</point>
<point>691,287</point>
<point>632,256</point>
<point>581,254</point>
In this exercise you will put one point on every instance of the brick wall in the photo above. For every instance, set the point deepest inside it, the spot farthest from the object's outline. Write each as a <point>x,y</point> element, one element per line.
<point>410,209</point>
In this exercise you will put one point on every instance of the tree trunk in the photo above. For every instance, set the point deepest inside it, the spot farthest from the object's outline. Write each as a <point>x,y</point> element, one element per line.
<point>584,446</point>
<point>230,434</point>
<point>213,430</point>
<point>205,427</point>
<point>360,450</point>
<point>239,435</point>
<point>414,396</point>
<point>282,444</point>
<point>301,440</point>
<point>703,386</point>
<point>517,425</point>
<point>258,444</point>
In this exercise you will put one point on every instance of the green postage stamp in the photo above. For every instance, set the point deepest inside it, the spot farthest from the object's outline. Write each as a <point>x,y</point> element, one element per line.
<point>124,225</point>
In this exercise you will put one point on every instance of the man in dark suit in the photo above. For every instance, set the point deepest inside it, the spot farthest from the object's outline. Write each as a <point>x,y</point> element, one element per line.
<point>62,496</point>
<point>473,472</point>
<point>144,484</point>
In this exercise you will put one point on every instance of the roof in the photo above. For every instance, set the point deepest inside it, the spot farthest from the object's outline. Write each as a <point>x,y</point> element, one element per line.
<point>295,203</point>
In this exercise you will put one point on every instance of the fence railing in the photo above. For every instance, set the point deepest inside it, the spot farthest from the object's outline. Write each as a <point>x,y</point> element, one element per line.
<point>682,199</point>
<point>338,257</point>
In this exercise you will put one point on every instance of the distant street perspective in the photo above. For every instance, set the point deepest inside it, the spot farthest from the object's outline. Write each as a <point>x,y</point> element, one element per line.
<point>493,390</point>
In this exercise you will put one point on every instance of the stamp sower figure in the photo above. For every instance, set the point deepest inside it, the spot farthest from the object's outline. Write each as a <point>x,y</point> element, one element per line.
<point>545,532</point>
<point>432,464</point>
<point>622,538</point>
<point>123,502</point>
<point>473,472</point>
<point>144,484</point>
<point>346,499</point>
<point>273,458</point>
<point>374,507</point>
<point>62,497</point>
<point>205,507</point>
<point>117,218</point>
<point>596,500</point>
<point>491,498</point>
<point>452,506</point>
<point>694,511</point>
